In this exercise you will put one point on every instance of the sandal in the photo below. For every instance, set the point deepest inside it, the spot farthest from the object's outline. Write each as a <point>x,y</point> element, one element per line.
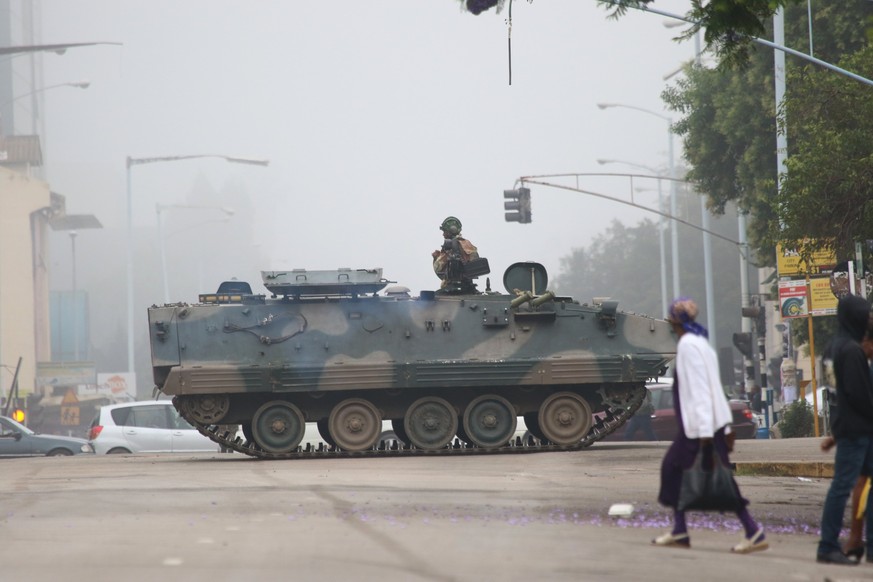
<point>670,539</point>
<point>756,543</point>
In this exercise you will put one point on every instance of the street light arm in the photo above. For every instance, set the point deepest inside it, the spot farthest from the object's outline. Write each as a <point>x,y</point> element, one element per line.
<point>524,179</point>
<point>533,180</point>
<point>77,84</point>
<point>649,111</point>
<point>55,48</point>
<point>251,161</point>
<point>131,161</point>
<point>236,160</point>
<point>603,162</point>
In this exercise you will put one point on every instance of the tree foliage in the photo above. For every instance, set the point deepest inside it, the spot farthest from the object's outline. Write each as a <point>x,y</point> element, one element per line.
<point>826,191</point>
<point>728,121</point>
<point>797,420</point>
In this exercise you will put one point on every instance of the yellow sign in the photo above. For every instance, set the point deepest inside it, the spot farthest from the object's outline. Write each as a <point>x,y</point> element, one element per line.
<point>70,397</point>
<point>789,262</point>
<point>70,415</point>
<point>822,299</point>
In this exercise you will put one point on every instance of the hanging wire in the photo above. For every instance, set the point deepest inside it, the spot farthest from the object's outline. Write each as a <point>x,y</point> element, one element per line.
<point>509,40</point>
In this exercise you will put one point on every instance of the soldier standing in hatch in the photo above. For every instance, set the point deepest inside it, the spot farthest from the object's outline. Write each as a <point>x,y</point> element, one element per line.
<point>456,251</point>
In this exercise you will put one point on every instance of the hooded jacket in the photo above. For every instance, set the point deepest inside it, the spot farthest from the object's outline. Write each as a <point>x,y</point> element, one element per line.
<point>853,415</point>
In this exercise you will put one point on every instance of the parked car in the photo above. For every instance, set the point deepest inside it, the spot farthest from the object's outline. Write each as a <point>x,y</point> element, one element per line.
<point>665,425</point>
<point>145,427</point>
<point>16,440</point>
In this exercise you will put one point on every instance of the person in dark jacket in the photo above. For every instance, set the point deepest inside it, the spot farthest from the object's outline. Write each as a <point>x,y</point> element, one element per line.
<point>851,425</point>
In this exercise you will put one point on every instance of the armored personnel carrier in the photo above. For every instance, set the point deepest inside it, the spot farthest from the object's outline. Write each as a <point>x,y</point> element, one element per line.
<point>451,369</point>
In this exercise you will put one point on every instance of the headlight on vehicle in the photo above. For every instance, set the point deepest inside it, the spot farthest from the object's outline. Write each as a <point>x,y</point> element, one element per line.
<point>87,448</point>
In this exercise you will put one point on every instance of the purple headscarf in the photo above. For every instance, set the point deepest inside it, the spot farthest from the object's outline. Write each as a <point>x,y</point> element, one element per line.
<point>684,311</point>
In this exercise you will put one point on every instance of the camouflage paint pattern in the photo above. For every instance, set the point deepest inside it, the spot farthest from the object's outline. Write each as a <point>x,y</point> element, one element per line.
<point>316,351</point>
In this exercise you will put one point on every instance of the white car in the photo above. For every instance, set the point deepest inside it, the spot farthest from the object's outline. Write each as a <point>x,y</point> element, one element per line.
<point>145,427</point>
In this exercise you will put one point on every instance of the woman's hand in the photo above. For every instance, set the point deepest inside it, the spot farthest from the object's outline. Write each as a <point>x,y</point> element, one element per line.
<point>827,443</point>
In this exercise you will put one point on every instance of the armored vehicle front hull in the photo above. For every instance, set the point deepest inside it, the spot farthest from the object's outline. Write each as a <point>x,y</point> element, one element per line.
<point>438,366</point>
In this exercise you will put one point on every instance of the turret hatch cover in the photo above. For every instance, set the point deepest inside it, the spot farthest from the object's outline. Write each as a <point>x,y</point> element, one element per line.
<point>526,276</point>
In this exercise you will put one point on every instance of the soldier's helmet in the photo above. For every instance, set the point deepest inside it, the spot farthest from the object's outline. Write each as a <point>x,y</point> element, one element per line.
<point>451,225</point>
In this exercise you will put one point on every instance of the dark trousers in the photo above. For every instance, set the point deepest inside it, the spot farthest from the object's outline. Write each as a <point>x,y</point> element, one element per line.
<point>854,456</point>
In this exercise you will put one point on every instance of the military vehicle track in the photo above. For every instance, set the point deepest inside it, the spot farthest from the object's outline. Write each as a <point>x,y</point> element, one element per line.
<point>606,423</point>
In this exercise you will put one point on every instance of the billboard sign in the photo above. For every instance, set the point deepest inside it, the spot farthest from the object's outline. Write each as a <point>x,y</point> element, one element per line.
<point>822,298</point>
<point>119,385</point>
<point>65,373</point>
<point>793,299</point>
<point>790,264</point>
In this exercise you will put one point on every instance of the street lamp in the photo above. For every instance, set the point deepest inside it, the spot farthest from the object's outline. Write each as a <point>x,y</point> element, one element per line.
<point>72,223</point>
<point>76,84</point>
<point>159,208</point>
<point>135,162</point>
<point>674,234</point>
<point>664,299</point>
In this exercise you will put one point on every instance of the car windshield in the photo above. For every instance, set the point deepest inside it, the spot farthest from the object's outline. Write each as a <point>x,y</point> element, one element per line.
<point>10,425</point>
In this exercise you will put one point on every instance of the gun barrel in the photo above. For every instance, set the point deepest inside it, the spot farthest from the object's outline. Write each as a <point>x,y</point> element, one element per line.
<point>521,299</point>
<point>545,297</point>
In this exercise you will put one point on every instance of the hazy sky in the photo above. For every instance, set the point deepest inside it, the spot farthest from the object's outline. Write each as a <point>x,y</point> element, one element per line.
<point>379,118</point>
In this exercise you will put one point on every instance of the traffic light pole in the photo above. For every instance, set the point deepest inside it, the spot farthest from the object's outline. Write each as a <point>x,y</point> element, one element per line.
<point>815,402</point>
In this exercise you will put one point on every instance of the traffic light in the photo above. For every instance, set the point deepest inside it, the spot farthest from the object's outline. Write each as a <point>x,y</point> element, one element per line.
<point>17,415</point>
<point>756,313</point>
<point>743,342</point>
<point>518,202</point>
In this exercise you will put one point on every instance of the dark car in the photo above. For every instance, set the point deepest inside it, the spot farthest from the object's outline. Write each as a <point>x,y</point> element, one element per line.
<point>664,423</point>
<point>16,440</point>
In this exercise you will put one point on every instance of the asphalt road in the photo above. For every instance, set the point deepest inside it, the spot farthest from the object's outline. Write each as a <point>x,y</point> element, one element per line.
<point>540,516</point>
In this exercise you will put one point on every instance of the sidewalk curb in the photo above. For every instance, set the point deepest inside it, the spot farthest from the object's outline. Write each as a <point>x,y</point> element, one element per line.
<point>811,470</point>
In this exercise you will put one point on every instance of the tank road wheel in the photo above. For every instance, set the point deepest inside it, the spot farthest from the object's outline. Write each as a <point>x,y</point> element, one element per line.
<point>207,408</point>
<point>489,421</point>
<point>278,427</point>
<point>430,423</point>
<point>355,425</point>
<point>564,418</point>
